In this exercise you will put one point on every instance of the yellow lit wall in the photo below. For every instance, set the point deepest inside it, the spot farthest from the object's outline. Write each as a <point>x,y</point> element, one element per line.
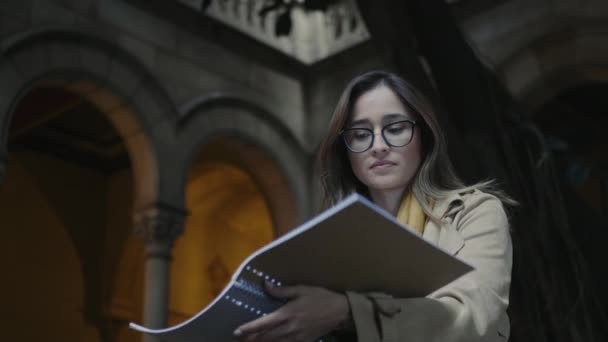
<point>124,255</point>
<point>47,208</point>
<point>62,224</point>
<point>229,219</point>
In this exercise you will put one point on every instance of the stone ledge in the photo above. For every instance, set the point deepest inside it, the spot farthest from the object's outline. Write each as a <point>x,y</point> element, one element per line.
<point>32,61</point>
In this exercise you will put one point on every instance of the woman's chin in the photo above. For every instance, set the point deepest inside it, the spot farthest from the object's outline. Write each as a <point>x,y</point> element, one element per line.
<point>386,185</point>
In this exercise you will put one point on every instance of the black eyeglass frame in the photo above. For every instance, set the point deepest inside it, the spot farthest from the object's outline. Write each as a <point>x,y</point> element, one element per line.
<point>412,122</point>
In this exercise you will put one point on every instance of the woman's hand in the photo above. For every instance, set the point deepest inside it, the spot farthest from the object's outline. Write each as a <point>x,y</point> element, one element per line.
<point>310,313</point>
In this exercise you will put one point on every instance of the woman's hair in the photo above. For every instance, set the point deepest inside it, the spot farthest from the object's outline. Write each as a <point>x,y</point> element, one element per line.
<point>435,177</point>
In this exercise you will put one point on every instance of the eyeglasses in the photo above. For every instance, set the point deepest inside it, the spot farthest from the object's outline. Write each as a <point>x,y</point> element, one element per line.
<point>396,134</point>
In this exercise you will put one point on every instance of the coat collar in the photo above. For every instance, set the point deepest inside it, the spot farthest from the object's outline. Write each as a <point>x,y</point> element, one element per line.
<point>449,205</point>
<point>444,232</point>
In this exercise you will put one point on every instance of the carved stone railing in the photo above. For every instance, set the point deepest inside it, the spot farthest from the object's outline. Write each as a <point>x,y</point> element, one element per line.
<point>314,35</point>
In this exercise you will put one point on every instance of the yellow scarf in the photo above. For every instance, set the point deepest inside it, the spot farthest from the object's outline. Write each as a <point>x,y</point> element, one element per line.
<point>411,214</point>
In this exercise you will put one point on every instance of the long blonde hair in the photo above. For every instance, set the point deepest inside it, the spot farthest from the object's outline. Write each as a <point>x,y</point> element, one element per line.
<point>435,178</point>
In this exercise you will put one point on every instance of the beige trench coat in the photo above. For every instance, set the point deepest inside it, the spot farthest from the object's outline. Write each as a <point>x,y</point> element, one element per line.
<point>472,308</point>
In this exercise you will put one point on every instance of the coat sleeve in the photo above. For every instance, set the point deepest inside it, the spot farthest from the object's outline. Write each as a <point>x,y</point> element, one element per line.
<point>472,308</point>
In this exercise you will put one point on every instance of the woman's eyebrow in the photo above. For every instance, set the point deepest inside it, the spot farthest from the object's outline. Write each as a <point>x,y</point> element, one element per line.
<point>359,122</point>
<point>395,116</point>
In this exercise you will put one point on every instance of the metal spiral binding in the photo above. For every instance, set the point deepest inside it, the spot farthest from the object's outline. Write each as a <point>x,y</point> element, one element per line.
<point>252,290</point>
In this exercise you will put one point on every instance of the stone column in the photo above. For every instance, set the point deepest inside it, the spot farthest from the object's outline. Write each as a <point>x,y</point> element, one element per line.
<point>159,226</point>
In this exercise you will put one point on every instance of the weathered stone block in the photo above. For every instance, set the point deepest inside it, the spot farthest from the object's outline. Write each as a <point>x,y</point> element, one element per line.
<point>10,25</point>
<point>591,48</point>
<point>137,23</point>
<point>95,60</point>
<point>553,54</point>
<point>64,56</point>
<point>125,76</point>
<point>284,95</point>
<point>95,28</point>
<point>143,51</point>
<point>16,8</point>
<point>593,8</point>
<point>212,57</point>
<point>83,87</point>
<point>189,74</point>
<point>32,61</point>
<point>10,85</point>
<point>45,12</point>
<point>154,103</point>
<point>521,73</point>
<point>180,94</point>
<point>80,6</point>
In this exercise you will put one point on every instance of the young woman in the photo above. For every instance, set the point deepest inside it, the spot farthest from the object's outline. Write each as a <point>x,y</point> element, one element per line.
<point>385,142</point>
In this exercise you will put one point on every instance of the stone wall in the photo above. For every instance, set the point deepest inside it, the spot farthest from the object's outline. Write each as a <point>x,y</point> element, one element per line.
<point>541,47</point>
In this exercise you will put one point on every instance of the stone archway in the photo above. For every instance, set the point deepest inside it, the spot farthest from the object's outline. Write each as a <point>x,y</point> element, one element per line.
<point>138,109</point>
<point>105,76</point>
<point>259,145</point>
<point>559,78</point>
<point>558,61</point>
<point>229,218</point>
<point>263,171</point>
<point>245,181</point>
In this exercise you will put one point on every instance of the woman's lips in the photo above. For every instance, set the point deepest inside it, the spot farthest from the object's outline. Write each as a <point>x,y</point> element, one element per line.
<point>382,164</point>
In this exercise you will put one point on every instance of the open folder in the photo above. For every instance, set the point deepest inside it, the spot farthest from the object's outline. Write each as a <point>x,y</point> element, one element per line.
<point>353,246</point>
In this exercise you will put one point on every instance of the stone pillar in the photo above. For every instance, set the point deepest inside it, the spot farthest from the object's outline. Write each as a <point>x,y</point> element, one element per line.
<point>159,226</point>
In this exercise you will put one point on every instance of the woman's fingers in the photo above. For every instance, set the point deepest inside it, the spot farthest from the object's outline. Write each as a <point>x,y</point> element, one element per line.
<point>282,332</point>
<point>283,292</point>
<point>276,318</point>
<point>310,312</point>
<point>260,325</point>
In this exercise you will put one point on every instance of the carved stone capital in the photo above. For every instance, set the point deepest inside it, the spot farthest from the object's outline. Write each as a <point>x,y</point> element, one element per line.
<point>159,224</point>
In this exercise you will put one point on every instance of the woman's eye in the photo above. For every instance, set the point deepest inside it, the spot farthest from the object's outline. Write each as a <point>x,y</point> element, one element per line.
<point>396,129</point>
<point>361,135</point>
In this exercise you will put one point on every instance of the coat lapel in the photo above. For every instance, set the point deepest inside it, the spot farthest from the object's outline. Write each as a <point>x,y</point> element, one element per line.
<point>444,234</point>
<point>451,240</point>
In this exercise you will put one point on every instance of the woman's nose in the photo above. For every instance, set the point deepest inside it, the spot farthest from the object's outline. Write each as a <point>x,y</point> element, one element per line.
<point>379,145</point>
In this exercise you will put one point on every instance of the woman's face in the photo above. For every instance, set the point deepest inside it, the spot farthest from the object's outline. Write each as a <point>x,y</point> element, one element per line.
<point>383,167</point>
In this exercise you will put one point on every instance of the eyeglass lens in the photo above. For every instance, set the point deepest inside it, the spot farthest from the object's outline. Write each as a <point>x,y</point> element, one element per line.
<point>397,134</point>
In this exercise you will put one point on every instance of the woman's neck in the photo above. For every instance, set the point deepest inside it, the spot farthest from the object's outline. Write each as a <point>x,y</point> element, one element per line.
<point>389,200</point>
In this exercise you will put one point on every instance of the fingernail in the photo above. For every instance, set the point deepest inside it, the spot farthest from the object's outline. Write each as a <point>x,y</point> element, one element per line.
<point>238,332</point>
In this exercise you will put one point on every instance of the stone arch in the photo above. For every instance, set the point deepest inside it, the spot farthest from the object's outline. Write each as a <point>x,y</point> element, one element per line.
<point>118,85</point>
<point>105,75</point>
<point>239,125</point>
<point>559,64</point>
<point>555,62</point>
